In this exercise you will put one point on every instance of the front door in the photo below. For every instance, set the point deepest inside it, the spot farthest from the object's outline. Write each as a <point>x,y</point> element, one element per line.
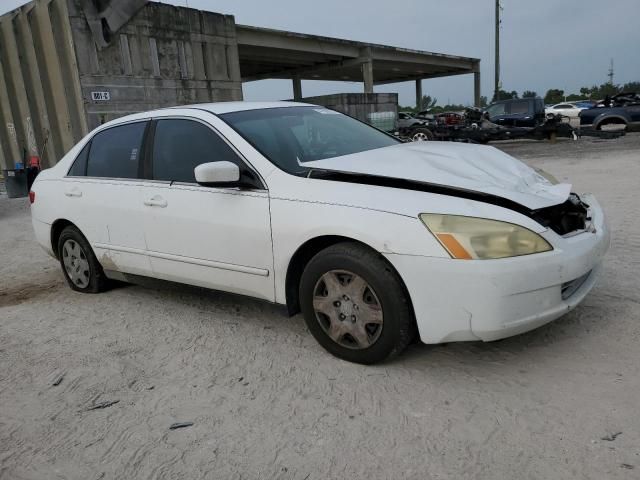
<point>212,237</point>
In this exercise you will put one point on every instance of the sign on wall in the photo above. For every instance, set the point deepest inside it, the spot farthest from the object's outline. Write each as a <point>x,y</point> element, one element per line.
<point>100,96</point>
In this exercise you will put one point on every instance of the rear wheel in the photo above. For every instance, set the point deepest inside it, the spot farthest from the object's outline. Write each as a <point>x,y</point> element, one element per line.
<point>79,264</point>
<point>355,305</point>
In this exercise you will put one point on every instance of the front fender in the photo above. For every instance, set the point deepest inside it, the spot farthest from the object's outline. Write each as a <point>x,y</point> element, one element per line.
<point>295,222</point>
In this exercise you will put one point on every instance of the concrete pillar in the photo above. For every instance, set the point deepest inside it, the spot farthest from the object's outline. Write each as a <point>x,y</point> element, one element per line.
<point>476,87</point>
<point>8,143</point>
<point>297,88</point>
<point>33,86</point>
<point>70,68</point>
<point>419,94</point>
<point>15,87</point>
<point>44,41</point>
<point>367,76</point>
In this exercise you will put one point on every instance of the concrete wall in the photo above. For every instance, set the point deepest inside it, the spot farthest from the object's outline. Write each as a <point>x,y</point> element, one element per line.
<point>163,56</point>
<point>40,113</point>
<point>56,84</point>
<point>363,106</point>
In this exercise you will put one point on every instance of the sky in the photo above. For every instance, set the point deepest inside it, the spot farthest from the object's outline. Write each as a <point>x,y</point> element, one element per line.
<point>545,44</point>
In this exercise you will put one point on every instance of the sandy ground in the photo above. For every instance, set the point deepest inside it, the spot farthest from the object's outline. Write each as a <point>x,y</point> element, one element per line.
<point>266,401</point>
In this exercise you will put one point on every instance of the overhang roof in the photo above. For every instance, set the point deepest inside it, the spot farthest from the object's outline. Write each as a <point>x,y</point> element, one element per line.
<point>267,53</point>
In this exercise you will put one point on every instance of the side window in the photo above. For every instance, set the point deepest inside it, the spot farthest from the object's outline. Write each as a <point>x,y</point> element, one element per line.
<point>115,152</point>
<point>519,107</point>
<point>179,146</point>
<point>79,166</point>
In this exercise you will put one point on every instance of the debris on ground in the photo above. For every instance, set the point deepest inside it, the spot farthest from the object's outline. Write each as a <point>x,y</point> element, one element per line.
<point>627,466</point>
<point>58,380</point>
<point>101,405</point>
<point>611,437</point>
<point>175,426</point>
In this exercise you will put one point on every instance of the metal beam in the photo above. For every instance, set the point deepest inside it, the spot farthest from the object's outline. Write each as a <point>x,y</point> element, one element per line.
<point>305,71</point>
<point>411,78</point>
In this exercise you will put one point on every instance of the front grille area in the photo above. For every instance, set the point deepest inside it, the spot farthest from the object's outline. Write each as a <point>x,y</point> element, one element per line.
<point>569,288</point>
<point>565,218</point>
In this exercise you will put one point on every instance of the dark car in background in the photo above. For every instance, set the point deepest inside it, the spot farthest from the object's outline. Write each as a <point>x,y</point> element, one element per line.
<point>517,112</point>
<point>622,111</point>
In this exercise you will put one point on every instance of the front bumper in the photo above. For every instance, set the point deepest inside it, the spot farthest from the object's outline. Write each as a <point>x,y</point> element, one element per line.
<point>457,300</point>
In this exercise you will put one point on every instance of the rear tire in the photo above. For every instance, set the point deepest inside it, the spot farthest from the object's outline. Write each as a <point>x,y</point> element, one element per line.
<point>80,267</point>
<point>355,304</point>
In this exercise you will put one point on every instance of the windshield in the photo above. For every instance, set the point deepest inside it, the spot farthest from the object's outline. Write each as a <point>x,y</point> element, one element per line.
<point>291,136</point>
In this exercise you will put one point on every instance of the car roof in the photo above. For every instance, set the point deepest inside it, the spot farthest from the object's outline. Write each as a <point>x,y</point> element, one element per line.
<point>228,107</point>
<point>218,108</point>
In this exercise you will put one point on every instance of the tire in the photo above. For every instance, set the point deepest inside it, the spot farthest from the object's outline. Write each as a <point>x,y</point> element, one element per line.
<point>421,135</point>
<point>80,267</point>
<point>350,292</point>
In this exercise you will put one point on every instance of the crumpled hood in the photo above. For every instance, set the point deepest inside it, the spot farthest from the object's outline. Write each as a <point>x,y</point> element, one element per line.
<point>471,167</point>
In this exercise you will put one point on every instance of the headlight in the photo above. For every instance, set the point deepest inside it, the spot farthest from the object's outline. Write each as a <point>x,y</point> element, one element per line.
<point>470,238</point>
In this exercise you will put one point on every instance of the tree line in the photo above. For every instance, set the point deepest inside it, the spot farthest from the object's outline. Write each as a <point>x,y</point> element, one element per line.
<point>552,96</point>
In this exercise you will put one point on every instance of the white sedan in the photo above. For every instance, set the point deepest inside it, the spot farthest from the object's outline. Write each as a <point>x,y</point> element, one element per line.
<point>374,240</point>
<point>570,110</point>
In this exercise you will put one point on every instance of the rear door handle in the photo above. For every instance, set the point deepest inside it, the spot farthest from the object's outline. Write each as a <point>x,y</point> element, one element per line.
<point>156,201</point>
<point>73,192</point>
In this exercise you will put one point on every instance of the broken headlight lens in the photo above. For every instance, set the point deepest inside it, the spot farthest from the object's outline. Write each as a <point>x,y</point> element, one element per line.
<point>470,238</point>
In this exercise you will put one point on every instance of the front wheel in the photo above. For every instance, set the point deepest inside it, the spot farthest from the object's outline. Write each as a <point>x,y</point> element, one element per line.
<point>355,304</point>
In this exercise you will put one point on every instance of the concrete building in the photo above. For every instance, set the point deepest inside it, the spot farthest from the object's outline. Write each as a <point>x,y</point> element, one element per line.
<point>66,66</point>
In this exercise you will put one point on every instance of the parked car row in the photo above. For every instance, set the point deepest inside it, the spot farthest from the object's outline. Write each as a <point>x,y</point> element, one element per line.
<point>620,112</point>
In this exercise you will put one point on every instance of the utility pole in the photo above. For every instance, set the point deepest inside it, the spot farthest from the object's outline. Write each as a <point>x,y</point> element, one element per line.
<point>610,74</point>
<point>496,89</point>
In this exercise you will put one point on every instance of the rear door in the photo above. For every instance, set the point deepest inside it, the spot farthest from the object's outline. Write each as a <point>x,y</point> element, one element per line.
<point>213,237</point>
<point>102,193</point>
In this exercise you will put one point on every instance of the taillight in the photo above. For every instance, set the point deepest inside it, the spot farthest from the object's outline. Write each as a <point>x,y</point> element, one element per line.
<point>32,196</point>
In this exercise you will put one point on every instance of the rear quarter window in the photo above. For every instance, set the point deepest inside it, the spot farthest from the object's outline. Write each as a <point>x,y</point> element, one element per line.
<point>79,167</point>
<point>116,152</point>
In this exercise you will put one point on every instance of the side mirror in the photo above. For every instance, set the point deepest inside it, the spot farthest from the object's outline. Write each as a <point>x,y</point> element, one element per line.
<point>215,173</point>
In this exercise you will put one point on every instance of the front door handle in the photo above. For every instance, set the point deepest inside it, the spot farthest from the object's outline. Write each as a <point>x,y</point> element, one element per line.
<point>156,201</point>
<point>73,192</point>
